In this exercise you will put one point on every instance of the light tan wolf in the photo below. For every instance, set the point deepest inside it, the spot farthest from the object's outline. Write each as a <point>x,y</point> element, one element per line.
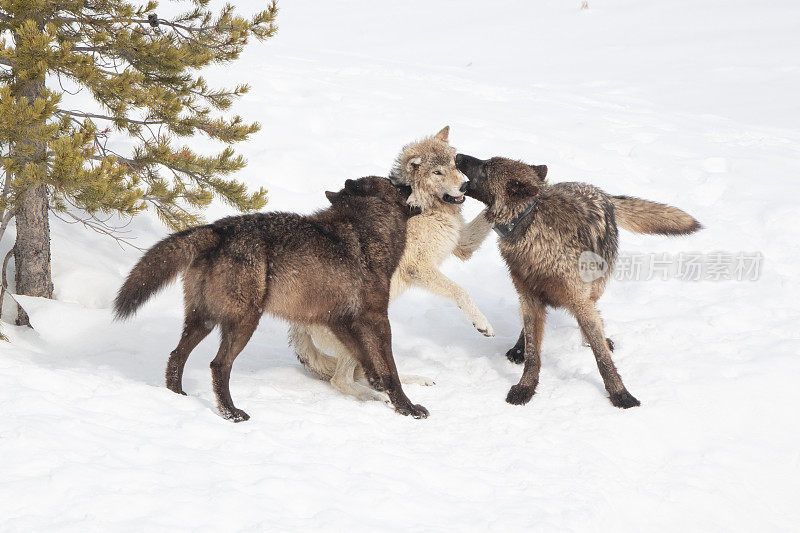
<point>428,167</point>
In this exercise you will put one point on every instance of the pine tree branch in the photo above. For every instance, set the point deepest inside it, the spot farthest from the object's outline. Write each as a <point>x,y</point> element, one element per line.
<point>7,62</point>
<point>60,111</point>
<point>121,159</point>
<point>99,226</point>
<point>145,23</point>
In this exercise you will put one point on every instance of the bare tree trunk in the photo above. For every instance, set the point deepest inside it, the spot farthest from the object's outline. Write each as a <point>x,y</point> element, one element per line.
<point>32,248</point>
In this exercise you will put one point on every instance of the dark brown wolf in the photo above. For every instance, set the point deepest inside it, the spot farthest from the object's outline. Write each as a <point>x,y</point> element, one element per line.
<point>331,268</point>
<point>547,234</point>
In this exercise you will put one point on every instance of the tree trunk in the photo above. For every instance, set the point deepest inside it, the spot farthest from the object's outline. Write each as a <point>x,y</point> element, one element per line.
<point>32,249</point>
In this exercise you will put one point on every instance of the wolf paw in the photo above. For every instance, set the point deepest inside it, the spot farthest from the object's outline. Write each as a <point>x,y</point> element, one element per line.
<point>417,411</point>
<point>520,394</point>
<point>624,400</point>
<point>175,387</point>
<point>411,379</point>
<point>483,327</point>
<point>516,355</point>
<point>234,414</point>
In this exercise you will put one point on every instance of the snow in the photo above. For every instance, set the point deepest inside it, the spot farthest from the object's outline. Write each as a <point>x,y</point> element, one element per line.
<point>691,103</point>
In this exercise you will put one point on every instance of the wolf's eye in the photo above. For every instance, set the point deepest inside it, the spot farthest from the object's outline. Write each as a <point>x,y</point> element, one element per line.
<point>437,172</point>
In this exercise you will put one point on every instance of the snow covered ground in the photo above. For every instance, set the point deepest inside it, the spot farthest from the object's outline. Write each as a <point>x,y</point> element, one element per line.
<point>691,103</point>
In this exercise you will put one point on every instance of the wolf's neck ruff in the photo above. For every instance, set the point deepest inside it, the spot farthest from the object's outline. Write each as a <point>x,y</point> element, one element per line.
<point>503,230</point>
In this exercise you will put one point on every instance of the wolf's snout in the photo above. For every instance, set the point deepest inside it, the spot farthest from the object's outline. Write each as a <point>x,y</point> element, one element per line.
<point>459,159</point>
<point>464,187</point>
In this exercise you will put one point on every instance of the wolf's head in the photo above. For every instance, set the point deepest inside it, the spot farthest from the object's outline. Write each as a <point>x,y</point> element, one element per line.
<point>504,185</point>
<point>428,166</point>
<point>370,187</point>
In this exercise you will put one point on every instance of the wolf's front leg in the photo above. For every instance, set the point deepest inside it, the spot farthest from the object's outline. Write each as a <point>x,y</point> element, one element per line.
<point>438,283</point>
<point>472,236</point>
<point>533,317</point>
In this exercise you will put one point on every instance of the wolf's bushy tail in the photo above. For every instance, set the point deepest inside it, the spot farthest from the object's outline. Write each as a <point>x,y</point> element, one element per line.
<point>159,265</point>
<point>644,216</point>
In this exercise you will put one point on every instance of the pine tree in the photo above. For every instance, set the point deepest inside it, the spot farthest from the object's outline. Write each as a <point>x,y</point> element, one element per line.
<point>141,72</point>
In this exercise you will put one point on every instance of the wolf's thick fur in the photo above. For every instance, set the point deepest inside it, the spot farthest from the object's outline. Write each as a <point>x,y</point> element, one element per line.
<point>428,167</point>
<point>287,265</point>
<point>554,226</point>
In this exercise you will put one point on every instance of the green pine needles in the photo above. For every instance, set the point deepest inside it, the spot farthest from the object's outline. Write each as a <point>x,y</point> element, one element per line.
<point>141,71</point>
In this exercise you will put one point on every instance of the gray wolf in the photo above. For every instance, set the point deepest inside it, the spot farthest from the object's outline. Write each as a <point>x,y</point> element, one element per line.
<point>428,167</point>
<point>545,229</point>
<point>284,264</point>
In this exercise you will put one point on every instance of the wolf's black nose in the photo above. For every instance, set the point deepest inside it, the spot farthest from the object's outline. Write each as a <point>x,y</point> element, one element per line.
<point>459,158</point>
<point>464,187</point>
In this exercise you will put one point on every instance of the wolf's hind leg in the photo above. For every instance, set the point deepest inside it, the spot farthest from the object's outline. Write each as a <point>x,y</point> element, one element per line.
<point>413,379</point>
<point>344,380</point>
<point>610,343</point>
<point>592,327</point>
<point>405,379</point>
<point>234,338</point>
<point>368,338</point>
<point>196,327</point>
<point>309,355</point>
<point>533,317</point>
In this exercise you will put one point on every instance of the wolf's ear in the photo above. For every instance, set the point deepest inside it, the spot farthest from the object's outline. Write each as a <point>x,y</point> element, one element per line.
<point>521,189</point>
<point>443,134</point>
<point>331,196</point>
<point>541,171</point>
<point>413,163</point>
<point>351,185</point>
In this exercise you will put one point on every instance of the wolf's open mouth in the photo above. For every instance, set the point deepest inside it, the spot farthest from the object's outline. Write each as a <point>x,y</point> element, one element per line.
<point>453,199</point>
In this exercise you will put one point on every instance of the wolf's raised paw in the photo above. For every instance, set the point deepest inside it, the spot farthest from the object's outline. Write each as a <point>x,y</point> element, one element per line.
<point>624,400</point>
<point>520,394</point>
<point>516,355</point>
<point>484,328</point>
